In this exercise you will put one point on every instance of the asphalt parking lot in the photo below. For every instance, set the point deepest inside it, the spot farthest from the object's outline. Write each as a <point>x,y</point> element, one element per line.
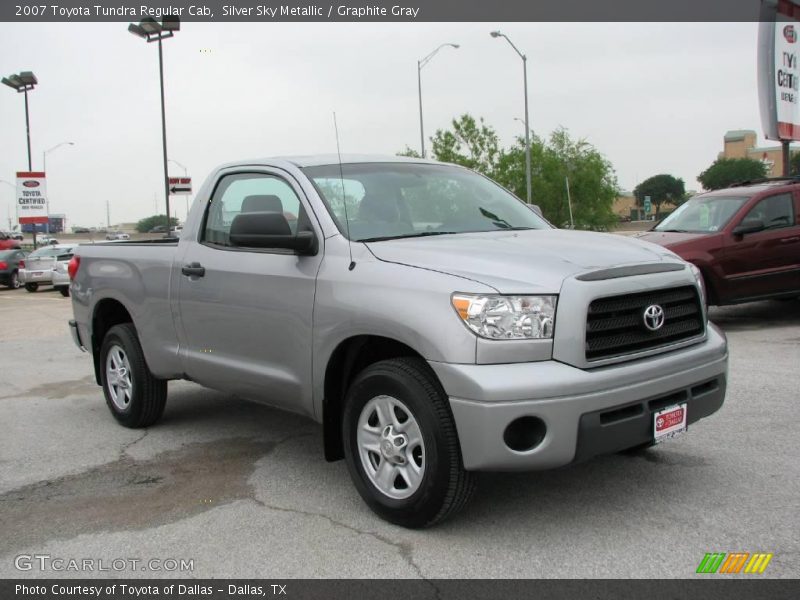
<point>243,491</point>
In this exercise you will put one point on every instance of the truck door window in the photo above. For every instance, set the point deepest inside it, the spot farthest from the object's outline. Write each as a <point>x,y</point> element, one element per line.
<point>775,211</point>
<point>249,192</point>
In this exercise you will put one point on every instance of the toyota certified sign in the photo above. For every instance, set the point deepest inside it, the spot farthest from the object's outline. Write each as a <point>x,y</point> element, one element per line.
<point>31,197</point>
<point>779,73</point>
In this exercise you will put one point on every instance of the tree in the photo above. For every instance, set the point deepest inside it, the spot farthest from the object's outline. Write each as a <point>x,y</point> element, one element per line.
<point>661,188</point>
<point>726,171</point>
<point>794,164</point>
<point>410,152</point>
<point>592,181</point>
<point>471,144</point>
<point>148,223</point>
<point>593,184</point>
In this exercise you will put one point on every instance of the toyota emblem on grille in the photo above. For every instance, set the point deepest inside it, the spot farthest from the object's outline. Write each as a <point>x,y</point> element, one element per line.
<point>653,317</point>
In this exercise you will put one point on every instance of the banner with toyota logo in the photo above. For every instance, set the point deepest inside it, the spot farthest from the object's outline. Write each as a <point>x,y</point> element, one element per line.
<point>31,197</point>
<point>779,71</point>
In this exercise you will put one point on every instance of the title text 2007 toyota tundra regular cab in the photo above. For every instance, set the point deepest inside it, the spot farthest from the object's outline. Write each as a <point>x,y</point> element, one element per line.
<point>433,323</point>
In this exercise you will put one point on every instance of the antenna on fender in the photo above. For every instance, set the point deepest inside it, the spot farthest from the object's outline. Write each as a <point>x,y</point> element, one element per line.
<point>344,197</point>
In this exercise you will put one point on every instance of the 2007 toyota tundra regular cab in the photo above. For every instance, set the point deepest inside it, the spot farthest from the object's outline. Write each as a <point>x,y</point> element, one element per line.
<point>433,323</point>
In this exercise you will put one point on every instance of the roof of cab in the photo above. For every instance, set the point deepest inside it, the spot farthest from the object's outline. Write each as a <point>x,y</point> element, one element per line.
<point>757,186</point>
<point>317,160</point>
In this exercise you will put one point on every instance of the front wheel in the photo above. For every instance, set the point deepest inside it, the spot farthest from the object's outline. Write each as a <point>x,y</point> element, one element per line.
<point>14,281</point>
<point>64,290</point>
<point>31,287</point>
<point>135,397</point>
<point>401,444</point>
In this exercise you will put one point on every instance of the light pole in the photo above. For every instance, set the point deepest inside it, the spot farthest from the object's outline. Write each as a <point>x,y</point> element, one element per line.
<point>496,34</point>
<point>523,124</point>
<point>44,168</point>
<point>421,63</point>
<point>24,82</point>
<point>12,186</point>
<point>185,174</point>
<point>151,30</point>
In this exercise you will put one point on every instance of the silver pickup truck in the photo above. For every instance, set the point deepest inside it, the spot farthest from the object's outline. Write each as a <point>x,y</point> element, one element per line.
<point>432,323</point>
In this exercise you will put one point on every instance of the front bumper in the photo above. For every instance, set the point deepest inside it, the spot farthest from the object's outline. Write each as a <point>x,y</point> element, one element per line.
<point>585,412</point>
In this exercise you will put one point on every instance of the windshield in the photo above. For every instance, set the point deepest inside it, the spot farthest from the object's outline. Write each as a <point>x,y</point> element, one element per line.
<point>702,214</point>
<point>393,200</point>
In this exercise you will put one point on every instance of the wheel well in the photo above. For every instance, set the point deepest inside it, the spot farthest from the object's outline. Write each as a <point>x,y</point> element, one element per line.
<point>350,358</point>
<point>107,313</point>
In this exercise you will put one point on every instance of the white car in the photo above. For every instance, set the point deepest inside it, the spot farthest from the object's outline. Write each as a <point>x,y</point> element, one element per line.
<point>117,235</point>
<point>46,266</point>
<point>46,240</point>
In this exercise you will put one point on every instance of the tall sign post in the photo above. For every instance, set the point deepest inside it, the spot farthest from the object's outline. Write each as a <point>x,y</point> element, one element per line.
<point>779,73</point>
<point>31,198</point>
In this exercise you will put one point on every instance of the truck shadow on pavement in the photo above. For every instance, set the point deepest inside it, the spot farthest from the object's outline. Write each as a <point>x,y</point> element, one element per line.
<point>756,315</point>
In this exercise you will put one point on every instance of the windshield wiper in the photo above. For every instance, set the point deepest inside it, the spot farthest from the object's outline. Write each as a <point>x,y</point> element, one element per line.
<point>408,235</point>
<point>501,223</point>
<point>673,230</point>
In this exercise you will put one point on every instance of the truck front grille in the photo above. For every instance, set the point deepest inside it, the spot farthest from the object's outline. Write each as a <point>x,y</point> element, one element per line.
<point>616,325</point>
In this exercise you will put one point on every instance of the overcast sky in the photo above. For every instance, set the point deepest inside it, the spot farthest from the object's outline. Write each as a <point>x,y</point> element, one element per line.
<point>654,98</point>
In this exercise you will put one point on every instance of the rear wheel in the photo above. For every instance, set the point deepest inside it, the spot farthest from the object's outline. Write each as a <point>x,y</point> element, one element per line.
<point>64,290</point>
<point>13,283</point>
<point>135,397</point>
<point>31,287</point>
<point>401,444</point>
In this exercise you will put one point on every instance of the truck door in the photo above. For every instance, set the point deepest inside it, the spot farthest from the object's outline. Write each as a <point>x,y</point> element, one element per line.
<point>246,313</point>
<point>767,261</point>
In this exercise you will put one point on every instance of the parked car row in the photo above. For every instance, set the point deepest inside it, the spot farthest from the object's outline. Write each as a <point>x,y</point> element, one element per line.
<point>45,266</point>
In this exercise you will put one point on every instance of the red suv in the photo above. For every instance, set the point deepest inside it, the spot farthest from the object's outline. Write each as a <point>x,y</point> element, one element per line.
<point>745,239</point>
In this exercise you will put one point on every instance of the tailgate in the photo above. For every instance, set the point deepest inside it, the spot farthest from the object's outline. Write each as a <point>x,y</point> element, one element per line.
<point>45,263</point>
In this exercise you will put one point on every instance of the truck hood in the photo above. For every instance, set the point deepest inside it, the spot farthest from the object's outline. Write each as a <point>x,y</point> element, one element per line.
<point>668,238</point>
<point>516,262</point>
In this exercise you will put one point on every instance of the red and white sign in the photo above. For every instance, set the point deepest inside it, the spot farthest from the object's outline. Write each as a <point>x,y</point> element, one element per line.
<point>180,185</point>
<point>669,422</point>
<point>31,197</point>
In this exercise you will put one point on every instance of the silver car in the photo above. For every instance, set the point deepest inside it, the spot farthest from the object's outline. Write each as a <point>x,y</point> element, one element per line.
<point>47,266</point>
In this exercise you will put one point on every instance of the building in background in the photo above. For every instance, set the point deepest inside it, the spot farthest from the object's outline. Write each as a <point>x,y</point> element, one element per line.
<point>58,224</point>
<point>741,143</point>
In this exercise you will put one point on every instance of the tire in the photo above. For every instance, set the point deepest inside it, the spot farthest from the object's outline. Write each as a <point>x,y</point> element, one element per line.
<point>138,399</point>
<point>13,283</point>
<point>64,290</point>
<point>435,486</point>
<point>31,287</point>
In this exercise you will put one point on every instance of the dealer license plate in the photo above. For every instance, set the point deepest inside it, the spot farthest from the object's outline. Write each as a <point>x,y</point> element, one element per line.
<point>669,422</point>
<point>38,274</point>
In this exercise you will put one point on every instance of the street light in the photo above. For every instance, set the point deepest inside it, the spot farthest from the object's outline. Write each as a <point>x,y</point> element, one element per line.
<point>44,168</point>
<point>497,34</point>
<point>151,30</point>
<point>420,64</point>
<point>23,83</point>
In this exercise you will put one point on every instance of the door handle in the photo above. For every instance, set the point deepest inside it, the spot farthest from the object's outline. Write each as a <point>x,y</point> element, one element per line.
<point>194,269</point>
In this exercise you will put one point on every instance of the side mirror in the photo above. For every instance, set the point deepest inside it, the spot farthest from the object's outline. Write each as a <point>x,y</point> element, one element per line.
<point>749,226</point>
<point>270,230</point>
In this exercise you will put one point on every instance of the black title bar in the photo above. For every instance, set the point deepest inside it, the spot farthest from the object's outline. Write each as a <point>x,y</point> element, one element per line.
<point>383,10</point>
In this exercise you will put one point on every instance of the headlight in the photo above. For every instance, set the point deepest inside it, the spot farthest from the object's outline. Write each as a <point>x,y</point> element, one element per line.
<point>508,317</point>
<point>698,277</point>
